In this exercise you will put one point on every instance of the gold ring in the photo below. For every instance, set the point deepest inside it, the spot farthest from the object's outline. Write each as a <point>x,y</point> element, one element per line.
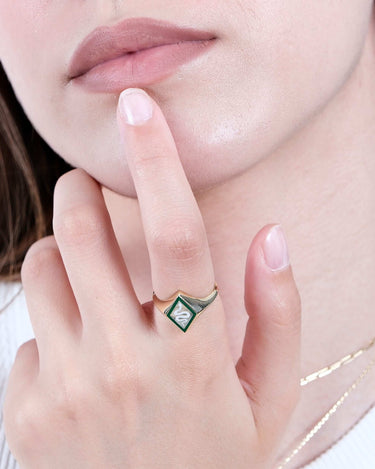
<point>182,309</point>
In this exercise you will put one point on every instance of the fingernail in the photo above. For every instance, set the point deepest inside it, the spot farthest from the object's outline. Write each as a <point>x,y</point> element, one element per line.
<point>135,106</point>
<point>275,249</point>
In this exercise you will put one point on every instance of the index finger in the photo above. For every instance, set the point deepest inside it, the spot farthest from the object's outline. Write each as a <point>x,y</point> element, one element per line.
<point>174,229</point>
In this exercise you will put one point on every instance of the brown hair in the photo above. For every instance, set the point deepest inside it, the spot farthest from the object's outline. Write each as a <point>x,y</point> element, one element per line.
<point>29,169</point>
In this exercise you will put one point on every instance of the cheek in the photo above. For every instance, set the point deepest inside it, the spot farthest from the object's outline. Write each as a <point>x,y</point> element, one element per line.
<point>20,22</point>
<point>317,48</point>
<point>281,67</point>
<point>291,59</point>
<point>24,50</point>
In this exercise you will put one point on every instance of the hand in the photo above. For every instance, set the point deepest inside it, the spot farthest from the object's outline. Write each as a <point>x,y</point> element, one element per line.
<point>110,383</point>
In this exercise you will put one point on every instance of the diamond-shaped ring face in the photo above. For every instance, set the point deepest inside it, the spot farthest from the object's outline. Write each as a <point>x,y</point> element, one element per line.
<point>181,314</point>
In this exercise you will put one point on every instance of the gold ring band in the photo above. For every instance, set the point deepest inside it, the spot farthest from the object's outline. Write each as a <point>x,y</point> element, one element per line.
<point>182,308</point>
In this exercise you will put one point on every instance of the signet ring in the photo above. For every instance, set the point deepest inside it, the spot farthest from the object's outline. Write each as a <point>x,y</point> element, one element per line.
<point>182,309</point>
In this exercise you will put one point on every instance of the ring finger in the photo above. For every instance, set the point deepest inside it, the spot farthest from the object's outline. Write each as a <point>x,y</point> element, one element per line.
<point>51,305</point>
<point>93,261</point>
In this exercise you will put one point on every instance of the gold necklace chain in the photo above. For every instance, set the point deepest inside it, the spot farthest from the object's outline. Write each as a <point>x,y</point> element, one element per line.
<point>334,366</point>
<point>327,415</point>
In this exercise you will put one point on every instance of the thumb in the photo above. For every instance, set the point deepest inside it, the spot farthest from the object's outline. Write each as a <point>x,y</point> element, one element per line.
<point>269,367</point>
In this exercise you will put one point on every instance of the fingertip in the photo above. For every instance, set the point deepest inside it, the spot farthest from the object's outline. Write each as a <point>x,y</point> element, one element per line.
<point>275,249</point>
<point>269,279</point>
<point>268,254</point>
<point>135,107</point>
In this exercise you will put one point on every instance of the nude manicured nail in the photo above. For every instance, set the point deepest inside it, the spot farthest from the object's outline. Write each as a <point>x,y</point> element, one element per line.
<point>275,249</point>
<point>135,106</point>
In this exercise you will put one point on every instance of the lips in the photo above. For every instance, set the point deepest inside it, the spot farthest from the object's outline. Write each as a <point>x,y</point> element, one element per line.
<point>128,37</point>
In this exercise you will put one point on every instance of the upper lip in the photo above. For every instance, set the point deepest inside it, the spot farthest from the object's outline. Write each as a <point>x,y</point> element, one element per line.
<point>130,35</point>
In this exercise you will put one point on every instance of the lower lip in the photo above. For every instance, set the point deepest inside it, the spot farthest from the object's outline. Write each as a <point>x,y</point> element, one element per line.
<point>140,68</point>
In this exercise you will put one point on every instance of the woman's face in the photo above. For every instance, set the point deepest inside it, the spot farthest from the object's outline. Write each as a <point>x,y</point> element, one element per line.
<point>274,64</point>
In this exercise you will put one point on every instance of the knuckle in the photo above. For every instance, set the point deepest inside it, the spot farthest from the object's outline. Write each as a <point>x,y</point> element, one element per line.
<point>41,257</point>
<point>286,314</point>
<point>24,417</point>
<point>290,399</point>
<point>82,224</point>
<point>123,378</point>
<point>296,394</point>
<point>179,241</point>
<point>66,179</point>
<point>25,425</point>
<point>119,377</point>
<point>250,387</point>
<point>145,164</point>
<point>71,399</point>
<point>199,370</point>
<point>194,376</point>
<point>26,348</point>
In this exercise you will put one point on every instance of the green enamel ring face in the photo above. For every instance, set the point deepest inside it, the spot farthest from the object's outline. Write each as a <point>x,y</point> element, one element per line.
<point>181,313</point>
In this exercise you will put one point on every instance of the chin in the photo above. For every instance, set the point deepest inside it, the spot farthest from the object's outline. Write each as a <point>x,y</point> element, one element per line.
<point>205,148</point>
<point>121,182</point>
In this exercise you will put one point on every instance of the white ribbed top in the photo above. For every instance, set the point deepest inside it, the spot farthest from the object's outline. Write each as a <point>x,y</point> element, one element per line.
<point>15,328</point>
<point>355,450</point>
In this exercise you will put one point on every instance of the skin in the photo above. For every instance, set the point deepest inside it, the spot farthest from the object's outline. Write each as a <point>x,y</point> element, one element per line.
<point>302,101</point>
<point>148,382</point>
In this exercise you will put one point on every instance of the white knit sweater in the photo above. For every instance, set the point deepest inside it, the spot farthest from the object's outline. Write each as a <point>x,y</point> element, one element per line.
<point>356,450</point>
